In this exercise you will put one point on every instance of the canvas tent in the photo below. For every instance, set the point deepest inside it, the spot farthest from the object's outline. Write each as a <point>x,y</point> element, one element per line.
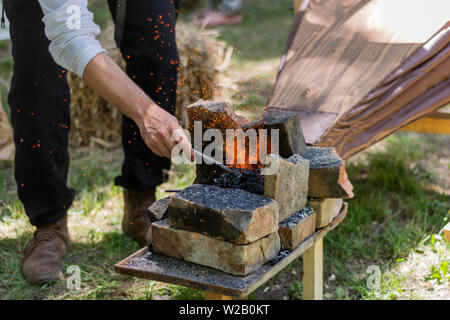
<point>358,70</point>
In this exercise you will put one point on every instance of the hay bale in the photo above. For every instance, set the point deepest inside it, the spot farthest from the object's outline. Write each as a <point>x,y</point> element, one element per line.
<point>93,118</point>
<point>203,60</point>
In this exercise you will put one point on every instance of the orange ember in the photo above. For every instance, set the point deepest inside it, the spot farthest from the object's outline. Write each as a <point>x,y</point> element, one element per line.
<point>246,152</point>
<point>244,146</point>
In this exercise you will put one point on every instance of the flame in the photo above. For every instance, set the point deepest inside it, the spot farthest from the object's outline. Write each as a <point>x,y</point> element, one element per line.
<point>247,154</point>
<point>246,148</point>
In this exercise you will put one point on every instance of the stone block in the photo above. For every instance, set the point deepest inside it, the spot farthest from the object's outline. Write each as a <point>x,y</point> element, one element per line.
<point>222,255</point>
<point>233,215</point>
<point>159,210</point>
<point>289,185</point>
<point>291,139</point>
<point>326,210</point>
<point>327,175</point>
<point>296,229</point>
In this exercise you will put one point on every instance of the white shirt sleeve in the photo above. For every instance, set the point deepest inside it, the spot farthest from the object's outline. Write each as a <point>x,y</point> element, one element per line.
<point>70,27</point>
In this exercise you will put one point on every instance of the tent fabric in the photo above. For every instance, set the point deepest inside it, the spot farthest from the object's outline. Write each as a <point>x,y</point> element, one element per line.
<point>355,83</point>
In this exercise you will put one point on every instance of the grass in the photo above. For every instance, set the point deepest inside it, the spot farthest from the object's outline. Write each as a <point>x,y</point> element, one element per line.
<point>392,214</point>
<point>393,226</point>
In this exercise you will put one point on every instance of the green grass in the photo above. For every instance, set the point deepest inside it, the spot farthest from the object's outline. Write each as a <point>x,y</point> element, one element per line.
<point>396,216</point>
<point>263,20</point>
<point>391,214</point>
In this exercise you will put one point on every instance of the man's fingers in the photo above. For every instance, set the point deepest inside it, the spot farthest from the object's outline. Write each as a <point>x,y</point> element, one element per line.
<point>154,147</point>
<point>165,144</point>
<point>181,141</point>
<point>156,151</point>
<point>187,147</point>
<point>165,150</point>
<point>164,139</point>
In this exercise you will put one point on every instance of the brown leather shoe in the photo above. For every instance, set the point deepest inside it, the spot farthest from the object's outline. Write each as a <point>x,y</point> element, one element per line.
<point>44,253</point>
<point>136,221</point>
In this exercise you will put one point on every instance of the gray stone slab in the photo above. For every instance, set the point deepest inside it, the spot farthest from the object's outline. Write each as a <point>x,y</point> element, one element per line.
<point>289,185</point>
<point>297,228</point>
<point>327,175</point>
<point>214,253</point>
<point>159,210</point>
<point>232,215</point>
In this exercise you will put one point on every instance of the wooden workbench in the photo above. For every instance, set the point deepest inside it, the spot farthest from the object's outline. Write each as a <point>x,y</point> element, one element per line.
<point>222,286</point>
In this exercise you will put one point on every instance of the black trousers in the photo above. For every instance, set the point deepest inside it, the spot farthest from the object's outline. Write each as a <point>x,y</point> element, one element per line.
<point>39,99</point>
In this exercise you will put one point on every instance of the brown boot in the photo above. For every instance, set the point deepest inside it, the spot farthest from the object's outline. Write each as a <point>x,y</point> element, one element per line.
<point>136,220</point>
<point>44,253</point>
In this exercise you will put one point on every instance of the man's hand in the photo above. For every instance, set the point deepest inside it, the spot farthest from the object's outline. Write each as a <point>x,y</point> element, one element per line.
<point>158,129</point>
<point>157,126</point>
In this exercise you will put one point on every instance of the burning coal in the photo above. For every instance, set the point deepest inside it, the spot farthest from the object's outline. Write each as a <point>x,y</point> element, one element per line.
<point>230,139</point>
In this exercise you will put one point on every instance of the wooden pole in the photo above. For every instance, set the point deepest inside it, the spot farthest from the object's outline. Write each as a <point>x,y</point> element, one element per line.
<point>437,122</point>
<point>313,272</point>
<point>297,4</point>
<point>215,296</point>
<point>446,232</point>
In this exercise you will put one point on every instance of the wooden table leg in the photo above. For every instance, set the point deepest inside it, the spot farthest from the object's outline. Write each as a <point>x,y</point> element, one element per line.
<point>446,232</point>
<point>297,4</point>
<point>215,296</point>
<point>313,272</point>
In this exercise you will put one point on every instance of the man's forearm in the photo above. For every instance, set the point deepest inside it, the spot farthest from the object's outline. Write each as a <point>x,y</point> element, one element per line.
<point>156,125</point>
<point>105,76</point>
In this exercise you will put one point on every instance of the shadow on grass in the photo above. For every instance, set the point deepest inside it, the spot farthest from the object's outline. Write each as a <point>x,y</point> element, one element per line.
<point>96,262</point>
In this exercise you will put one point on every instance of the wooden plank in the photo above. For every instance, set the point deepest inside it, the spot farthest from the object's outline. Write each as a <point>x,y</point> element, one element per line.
<point>437,122</point>
<point>214,296</point>
<point>144,264</point>
<point>313,272</point>
<point>297,4</point>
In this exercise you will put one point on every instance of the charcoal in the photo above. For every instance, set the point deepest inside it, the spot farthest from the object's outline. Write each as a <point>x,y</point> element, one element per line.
<point>205,174</point>
<point>212,115</point>
<point>248,180</point>
<point>281,255</point>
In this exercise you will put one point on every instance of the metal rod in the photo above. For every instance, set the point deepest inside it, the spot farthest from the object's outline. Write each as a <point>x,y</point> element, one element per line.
<point>217,163</point>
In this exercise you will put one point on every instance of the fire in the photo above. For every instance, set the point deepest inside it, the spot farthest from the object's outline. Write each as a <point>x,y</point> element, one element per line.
<point>243,144</point>
<point>247,149</point>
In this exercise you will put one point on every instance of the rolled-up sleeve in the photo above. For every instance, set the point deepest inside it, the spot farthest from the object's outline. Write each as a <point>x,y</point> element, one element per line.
<point>70,27</point>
